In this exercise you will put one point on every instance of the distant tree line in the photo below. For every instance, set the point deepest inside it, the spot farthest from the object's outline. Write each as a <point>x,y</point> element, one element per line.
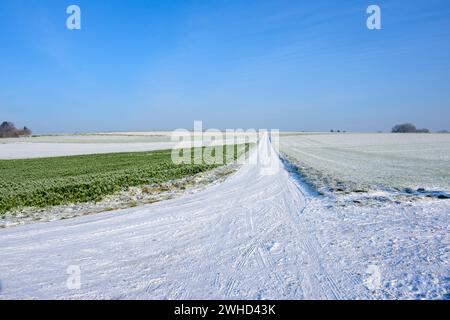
<point>408,128</point>
<point>400,128</point>
<point>8,130</point>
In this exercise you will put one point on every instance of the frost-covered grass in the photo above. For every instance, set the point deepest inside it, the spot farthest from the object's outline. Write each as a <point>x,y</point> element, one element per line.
<point>362,162</point>
<point>54,181</point>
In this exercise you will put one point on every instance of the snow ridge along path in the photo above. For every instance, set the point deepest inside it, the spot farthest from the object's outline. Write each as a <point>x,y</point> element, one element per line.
<point>242,239</point>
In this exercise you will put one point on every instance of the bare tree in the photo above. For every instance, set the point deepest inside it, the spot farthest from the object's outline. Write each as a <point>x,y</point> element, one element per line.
<point>8,130</point>
<point>25,132</point>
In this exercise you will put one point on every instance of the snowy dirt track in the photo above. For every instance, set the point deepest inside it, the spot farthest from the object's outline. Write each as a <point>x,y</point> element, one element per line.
<point>243,239</point>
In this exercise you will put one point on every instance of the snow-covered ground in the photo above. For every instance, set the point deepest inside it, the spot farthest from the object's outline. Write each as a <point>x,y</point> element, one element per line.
<point>23,150</point>
<point>373,161</point>
<point>131,197</point>
<point>58,146</point>
<point>262,234</point>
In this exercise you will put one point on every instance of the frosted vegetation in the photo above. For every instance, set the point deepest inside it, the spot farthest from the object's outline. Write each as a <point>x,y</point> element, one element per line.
<point>411,163</point>
<point>47,182</point>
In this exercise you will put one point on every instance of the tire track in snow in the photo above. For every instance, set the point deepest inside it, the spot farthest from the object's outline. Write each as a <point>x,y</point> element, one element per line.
<point>328,284</point>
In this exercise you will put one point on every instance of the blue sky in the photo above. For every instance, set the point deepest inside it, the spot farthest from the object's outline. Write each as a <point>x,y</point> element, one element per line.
<point>291,65</point>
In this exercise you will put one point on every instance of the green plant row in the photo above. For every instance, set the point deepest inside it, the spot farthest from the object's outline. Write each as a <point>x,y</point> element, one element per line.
<point>54,181</point>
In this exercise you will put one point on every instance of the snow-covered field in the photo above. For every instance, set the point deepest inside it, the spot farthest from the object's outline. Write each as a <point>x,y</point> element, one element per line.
<point>71,145</point>
<point>91,138</point>
<point>130,197</point>
<point>373,161</point>
<point>262,234</point>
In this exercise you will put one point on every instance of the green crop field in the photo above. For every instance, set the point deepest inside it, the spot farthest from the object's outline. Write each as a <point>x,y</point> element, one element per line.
<point>53,181</point>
